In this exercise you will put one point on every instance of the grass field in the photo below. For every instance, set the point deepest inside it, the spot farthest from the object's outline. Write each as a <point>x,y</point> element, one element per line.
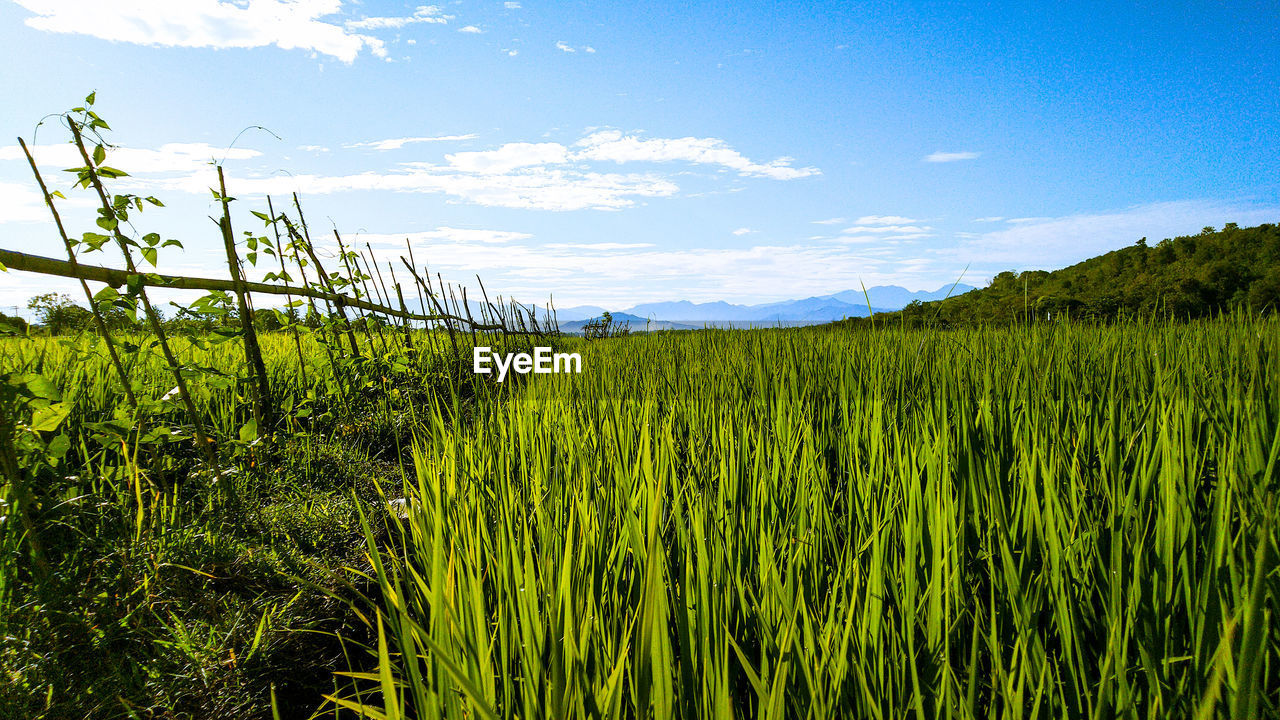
<point>1045,521</point>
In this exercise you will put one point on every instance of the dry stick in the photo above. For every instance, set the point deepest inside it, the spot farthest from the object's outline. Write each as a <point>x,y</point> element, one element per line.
<point>408,337</point>
<point>385,294</point>
<point>471,321</point>
<point>422,287</point>
<point>447,323</point>
<point>324,279</point>
<point>284,277</point>
<point>252,352</point>
<point>365,276</point>
<point>413,271</point>
<point>454,299</point>
<point>205,442</point>
<point>326,324</point>
<point>485,294</point>
<point>98,322</point>
<point>351,278</point>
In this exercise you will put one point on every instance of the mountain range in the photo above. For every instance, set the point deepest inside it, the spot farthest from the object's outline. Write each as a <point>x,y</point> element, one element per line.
<point>680,314</point>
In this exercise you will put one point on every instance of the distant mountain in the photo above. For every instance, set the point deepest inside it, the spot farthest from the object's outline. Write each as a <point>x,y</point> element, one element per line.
<point>824,308</point>
<point>697,312</point>
<point>682,314</point>
<point>892,297</point>
<point>579,312</point>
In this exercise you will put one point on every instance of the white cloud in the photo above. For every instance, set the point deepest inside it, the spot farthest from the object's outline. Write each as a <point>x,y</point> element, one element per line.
<point>993,218</point>
<point>289,25</point>
<point>509,157</point>
<point>22,204</point>
<point>1055,242</point>
<point>511,5</point>
<point>472,29</point>
<point>622,274</point>
<point>830,221</point>
<point>742,231</point>
<point>612,145</point>
<point>562,45</point>
<point>542,175</point>
<point>536,188</point>
<point>423,14</point>
<point>588,49</point>
<point>170,157</point>
<point>462,236</point>
<point>511,53</point>
<point>599,246</point>
<point>886,229</point>
<point>884,220</point>
<point>945,157</point>
<point>313,148</point>
<point>397,143</point>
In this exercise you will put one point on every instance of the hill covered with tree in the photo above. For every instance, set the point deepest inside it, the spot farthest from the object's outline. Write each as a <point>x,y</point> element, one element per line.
<point>1183,277</point>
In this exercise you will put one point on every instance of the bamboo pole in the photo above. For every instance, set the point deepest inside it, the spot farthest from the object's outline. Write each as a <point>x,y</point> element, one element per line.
<point>262,413</point>
<point>293,319</point>
<point>339,301</point>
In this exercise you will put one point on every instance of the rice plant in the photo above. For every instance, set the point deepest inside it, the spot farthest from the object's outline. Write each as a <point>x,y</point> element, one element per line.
<point>1044,521</point>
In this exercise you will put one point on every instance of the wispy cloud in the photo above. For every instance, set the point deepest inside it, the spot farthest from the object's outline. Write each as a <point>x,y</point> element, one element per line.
<point>946,157</point>
<point>461,236</point>
<point>612,145</point>
<point>884,220</point>
<point>830,221</point>
<point>543,176</point>
<point>993,218</point>
<point>429,14</point>
<point>397,143</point>
<point>564,47</point>
<point>599,246</point>
<point>623,274</point>
<point>290,25</point>
<point>472,29</point>
<point>511,5</point>
<point>743,231</point>
<point>170,157</point>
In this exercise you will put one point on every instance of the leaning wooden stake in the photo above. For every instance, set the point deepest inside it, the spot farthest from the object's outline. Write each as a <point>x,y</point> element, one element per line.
<point>252,352</point>
<point>404,325</point>
<point>293,317</point>
<point>422,302</point>
<point>351,278</point>
<point>98,323</point>
<point>153,318</point>
<point>324,279</point>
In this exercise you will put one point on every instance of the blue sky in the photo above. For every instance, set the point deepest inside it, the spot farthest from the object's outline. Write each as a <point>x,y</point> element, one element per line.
<point>616,153</point>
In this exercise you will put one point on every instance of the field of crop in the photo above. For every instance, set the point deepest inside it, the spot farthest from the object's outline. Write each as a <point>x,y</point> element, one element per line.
<point>1045,521</point>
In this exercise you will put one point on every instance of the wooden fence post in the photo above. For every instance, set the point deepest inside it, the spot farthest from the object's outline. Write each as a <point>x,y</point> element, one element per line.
<point>252,352</point>
<point>293,317</point>
<point>324,279</point>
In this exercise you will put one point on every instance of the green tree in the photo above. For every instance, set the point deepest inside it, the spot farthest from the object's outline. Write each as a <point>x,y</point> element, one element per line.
<point>59,314</point>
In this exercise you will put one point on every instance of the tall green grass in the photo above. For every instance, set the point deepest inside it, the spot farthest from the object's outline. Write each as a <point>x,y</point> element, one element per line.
<point>1039,522</point>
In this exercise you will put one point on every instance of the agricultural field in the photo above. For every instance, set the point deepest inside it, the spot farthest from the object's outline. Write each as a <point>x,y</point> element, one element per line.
<point>1045,520</point>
